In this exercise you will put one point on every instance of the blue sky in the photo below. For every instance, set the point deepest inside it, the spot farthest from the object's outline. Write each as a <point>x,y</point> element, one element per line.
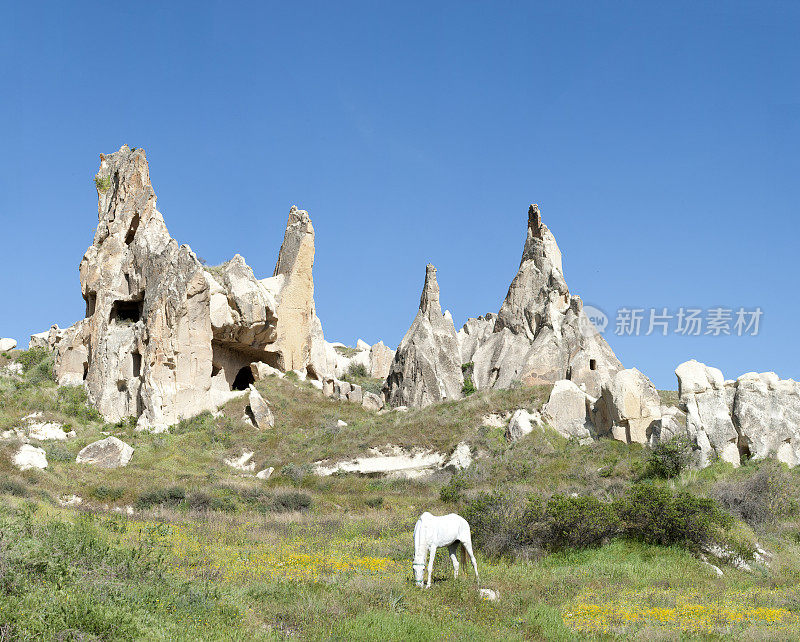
<point>659,139</point>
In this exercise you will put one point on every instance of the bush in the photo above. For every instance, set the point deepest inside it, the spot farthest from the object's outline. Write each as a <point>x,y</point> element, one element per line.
<point>33,357</point>
<point>291,500</point>
<point>374,502</point>
<point>578,522</point>
<point>468,387</point>
<point>74,402</point>
<point>357,370</point>
<point>11,487</point>
<point>652,514</point>
<point>668,459</point>
<point>171,496</point>
<point>37,366</point>
<point>657,515</point>
<point>294,472</point>
<point>106,493</point>
<point>451,492</point>
<point>56,452</point>
<point>102,183</point>
<point>760,498</point>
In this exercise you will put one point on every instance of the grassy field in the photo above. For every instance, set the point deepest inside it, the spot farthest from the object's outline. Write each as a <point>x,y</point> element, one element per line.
<point>179,546</point>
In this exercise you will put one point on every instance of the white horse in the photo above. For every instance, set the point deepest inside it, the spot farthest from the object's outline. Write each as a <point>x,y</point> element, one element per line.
<point>432,532</point>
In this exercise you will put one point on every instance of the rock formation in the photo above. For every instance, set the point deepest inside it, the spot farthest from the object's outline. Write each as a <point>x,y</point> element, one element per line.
<point>757,416</point>
<point>29,456</point>
<point>629,408</point>
<point>426,367</point>
<point>541,334</point>
<point>165,338</point>
<point>106,453</point>
<point>568,411</point>
<point>7,344</point>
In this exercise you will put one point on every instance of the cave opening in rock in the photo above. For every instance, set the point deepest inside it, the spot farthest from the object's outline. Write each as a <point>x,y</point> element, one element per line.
<point>126,311</point>
<point>91,303</point>
<point>137,364</point>
<point>132,229</point>
<point>592,364</point>
<point>243,379</point>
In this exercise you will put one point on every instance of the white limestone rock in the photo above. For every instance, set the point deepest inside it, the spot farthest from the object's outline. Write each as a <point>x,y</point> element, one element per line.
<point>629,408</point>
<point>568,411</point>
<point>7,344</point>
<point>266,473</point>
<point>541,334</point>
<point>242,462</point>
<point>106,453</point>
<point>259,411</point>
<point>521,423</point>
<point>427,365</point>
<point>29,456</point>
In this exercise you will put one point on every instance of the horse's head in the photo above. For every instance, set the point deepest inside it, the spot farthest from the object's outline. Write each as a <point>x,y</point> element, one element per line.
<point>419,573</point>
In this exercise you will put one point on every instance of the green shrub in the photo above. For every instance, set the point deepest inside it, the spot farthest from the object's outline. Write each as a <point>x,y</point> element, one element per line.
<point>504,525</point>
<point>357,370</point>
<point>57,452</point>
<point>657,515</point>
<point>74,402</point>
<point>294,472</point>
<point>668,459</point>
<point>171,496</point>
<point>223,504</point>
<point>292,500</point>
<point>578,522</point>
<point>31,358</point>
<point>468,387</point>
<point>107,493</point>
<point>11,487</point>
<point>103,183</point>
<point>374,502</point>
<point>37,366</point>
<point>452,491</point>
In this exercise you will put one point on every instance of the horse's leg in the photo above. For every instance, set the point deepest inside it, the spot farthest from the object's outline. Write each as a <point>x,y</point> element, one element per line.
<point>453,549</point>
<point>468,547</point>
<point>430,563</point>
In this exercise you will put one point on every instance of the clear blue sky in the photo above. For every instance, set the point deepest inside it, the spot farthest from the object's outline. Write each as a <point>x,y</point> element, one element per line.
<point>659,138</point>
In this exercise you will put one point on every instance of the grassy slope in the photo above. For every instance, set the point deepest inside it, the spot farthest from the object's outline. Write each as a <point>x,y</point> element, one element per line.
<point>342,570</point>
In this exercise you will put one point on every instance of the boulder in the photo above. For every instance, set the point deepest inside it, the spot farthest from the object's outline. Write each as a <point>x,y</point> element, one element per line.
<point>372,401</point>
<point>28,457</point>
<point>261,371</point>
<point>461,457</point>
<point>266,473</point>
<point>380,360</point>
<point>427,365</point>
<point>242,462</point>
<point>541,334</point>
<point>766,412</point>
<point>259,411</point>
<point>106,453</point>
<point>568,410</point>
<point>7,344</point>
<point>629,408</point>
<point>165,338</point>
<point>708,403</point>
<point>355,395</point>
<point>521,423</point>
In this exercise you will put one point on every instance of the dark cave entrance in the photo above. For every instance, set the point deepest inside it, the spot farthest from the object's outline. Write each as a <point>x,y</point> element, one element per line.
<point>126,311</point>
<point>243,379</point>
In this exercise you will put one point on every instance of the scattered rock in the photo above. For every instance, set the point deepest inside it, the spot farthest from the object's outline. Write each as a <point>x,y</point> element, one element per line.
<point>392,461</point>
<point>341,424</point>
<point>427,365</point>
<point>261,371</point>
<point>489,594</point>
<point>266,473</point>
<point>106,453</point>
<point>568,411</point>
<point>70,500</point>
<point>521,424</point>
<point>461,457</point>
<point>259,411</point>
<point>7,344</point>
<point>242,462</point>
<point>28,457</point>
<point>372,401</point>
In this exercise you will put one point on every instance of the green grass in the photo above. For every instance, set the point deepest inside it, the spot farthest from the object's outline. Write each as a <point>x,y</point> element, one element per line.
<point>214,554</point>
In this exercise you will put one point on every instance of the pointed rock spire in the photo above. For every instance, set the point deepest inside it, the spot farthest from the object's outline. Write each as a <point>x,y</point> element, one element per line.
<point>427,365</point>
